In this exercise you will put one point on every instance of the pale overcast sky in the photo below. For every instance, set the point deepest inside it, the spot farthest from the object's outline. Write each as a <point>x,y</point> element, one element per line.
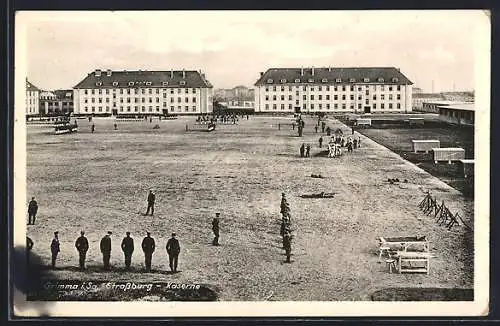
<point>232,47</point>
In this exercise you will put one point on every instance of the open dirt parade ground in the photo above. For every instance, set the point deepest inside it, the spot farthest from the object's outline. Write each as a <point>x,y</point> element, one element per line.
<point>98,182</point>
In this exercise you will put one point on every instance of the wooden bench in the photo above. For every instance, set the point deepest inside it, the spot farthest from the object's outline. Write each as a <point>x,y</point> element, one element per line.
<point>405,258</point>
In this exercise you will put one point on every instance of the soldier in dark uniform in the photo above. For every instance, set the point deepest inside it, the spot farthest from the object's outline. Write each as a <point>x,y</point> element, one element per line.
<point>323,125</point>
<point>308,150</point>
<point>106,249</point>
<point>29,246</point>
<point>54,248</point>
<point>93,128</point>
<point>148,246</point>
<point>173,249</point>
<point>151,202</point>
<point>128,249</point>
<point>302,149</point>
<point>82,246</point>
<point>320,141</point>
<point>32,210</point>
<point>215,229</point>
<point>316,128</point>
<point>287,244</point>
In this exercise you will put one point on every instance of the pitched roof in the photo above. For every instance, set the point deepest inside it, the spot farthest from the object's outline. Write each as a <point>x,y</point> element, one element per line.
<point>119,79</point>
<point>31,87</point>
<point>64,93</point>
<point>331,75</point>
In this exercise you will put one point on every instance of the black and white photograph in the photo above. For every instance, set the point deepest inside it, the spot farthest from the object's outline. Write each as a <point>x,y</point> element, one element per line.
<point>251,163</point>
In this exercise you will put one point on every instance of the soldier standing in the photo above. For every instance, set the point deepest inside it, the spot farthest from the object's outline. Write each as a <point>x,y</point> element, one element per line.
<point>128,249</point>
<point>287,244</point>
<point>215,229</point>
<point>151,202</point>
<point>316,128</point>
<point>323,125</point>
<point>29,246</point>
<point>308,150</point>
<point>302,149</point>
<point>54,248</point>
<point>320,141</point>
<point>82,246</point>
<point>106,249</point>
<point>173,249</point>
<point>93,128</point>
<point>32,210</point>
<point>148,246</point>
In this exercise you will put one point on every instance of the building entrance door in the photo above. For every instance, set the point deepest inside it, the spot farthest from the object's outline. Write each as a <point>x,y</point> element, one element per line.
<point>368,109</point>
<point>114,112</point>
<point>297,109</point>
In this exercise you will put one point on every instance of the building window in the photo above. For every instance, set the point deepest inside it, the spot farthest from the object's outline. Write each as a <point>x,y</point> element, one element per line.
<point>194,99</point>
<point>359,106</point>
<point>182,82</point>
<point>312,106</point>
<point>382,97</point>
<point>398,96</point>
<point>282,97</point>
<point>352,97</point>
<point>297,80</point>
<point>343,88</point>
<point>390,88</point>
<point>390,97</point>
<point>343,106</point>
<point>338,80</point>
<point>267,106</point>
<point>85,92</point>
<point>398,88</point>
<point>267,97</point>
<point>398,106</point>
<point>319,97</point>
<point>328,97</point>
<point>282,106</point>
<point>274,88</point>
<point>324,80</point>
<point>187,99</point>
<point>283,81</point>
<point>381,80</point>
<point>335,106</point>
<point>390,105</point>
<point>171,109</point>
<point>374,105</point>
<point>382,87</point>
<point>304,88</point>
<point>366,80</point>
<point>374,97</point>
<point>367,102</point>
<point>382,105</point>
<point>319,106</point>
<point>267,89</point>
<point>335,97</point>
<point>312,97</point>
<point>343,97</point>
<point>269,81</point>
<point>328,106</point>
<point>93,91</point>
<point>352,80</point>
<point>289,97</point>
<point>304,97</point>
<point>178,100</point>
<point>274,106</point>
<point>171,91</point>
<point>274,97</point>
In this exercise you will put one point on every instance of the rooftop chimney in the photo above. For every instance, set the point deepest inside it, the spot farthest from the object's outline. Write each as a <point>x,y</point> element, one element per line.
<point>98,72</point>
<point>312,71</point>
<point>108,72</point>
<point>261,74</point>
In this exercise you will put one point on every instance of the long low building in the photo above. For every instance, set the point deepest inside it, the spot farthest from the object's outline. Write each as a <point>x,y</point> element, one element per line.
<point>333,90</point>
<point>132,93</point>
<point>458,113</point>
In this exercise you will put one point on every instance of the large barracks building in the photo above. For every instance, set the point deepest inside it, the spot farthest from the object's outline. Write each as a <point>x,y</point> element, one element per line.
<point>333,90</point>
<point>106,92</point>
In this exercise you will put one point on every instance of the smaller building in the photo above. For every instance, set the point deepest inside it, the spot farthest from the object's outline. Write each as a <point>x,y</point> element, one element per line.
<point>56,102</point>
<point>32,99</point>
<point>448,154</point>
<point>457,113</point>
<point>418,100</point>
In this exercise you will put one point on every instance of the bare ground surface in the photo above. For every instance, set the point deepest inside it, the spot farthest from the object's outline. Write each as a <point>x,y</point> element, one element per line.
<point>99,182</point>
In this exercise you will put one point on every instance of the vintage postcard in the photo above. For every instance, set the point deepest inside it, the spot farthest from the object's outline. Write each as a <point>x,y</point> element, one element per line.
<point>260,163</point>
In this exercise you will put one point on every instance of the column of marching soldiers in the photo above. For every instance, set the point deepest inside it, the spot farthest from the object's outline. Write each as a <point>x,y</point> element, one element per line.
<point>148,243</point>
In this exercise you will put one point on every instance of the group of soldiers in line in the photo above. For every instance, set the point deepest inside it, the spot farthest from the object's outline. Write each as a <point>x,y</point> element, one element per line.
<point>219,118</point>
<point>286,227</point>
<point>82,246</point>
<point>127,245</point>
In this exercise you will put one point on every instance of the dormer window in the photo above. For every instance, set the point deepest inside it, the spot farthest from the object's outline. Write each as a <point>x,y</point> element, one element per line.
<point>352,80</point>
<point>182,82</point>
<point>269,81</point>
<point>381,80</point>
<point>148,83</point>
<point>98,83</point>
<point>338,80</point>
<point>297,80</point>
<point>165,83</point>
<point>324,80</point>
<point>131,83</point>
<point>283,81</point>
<point>115,83</point>
<point>394,80</point>
<point>310,80</point>
<point>366,80</point>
